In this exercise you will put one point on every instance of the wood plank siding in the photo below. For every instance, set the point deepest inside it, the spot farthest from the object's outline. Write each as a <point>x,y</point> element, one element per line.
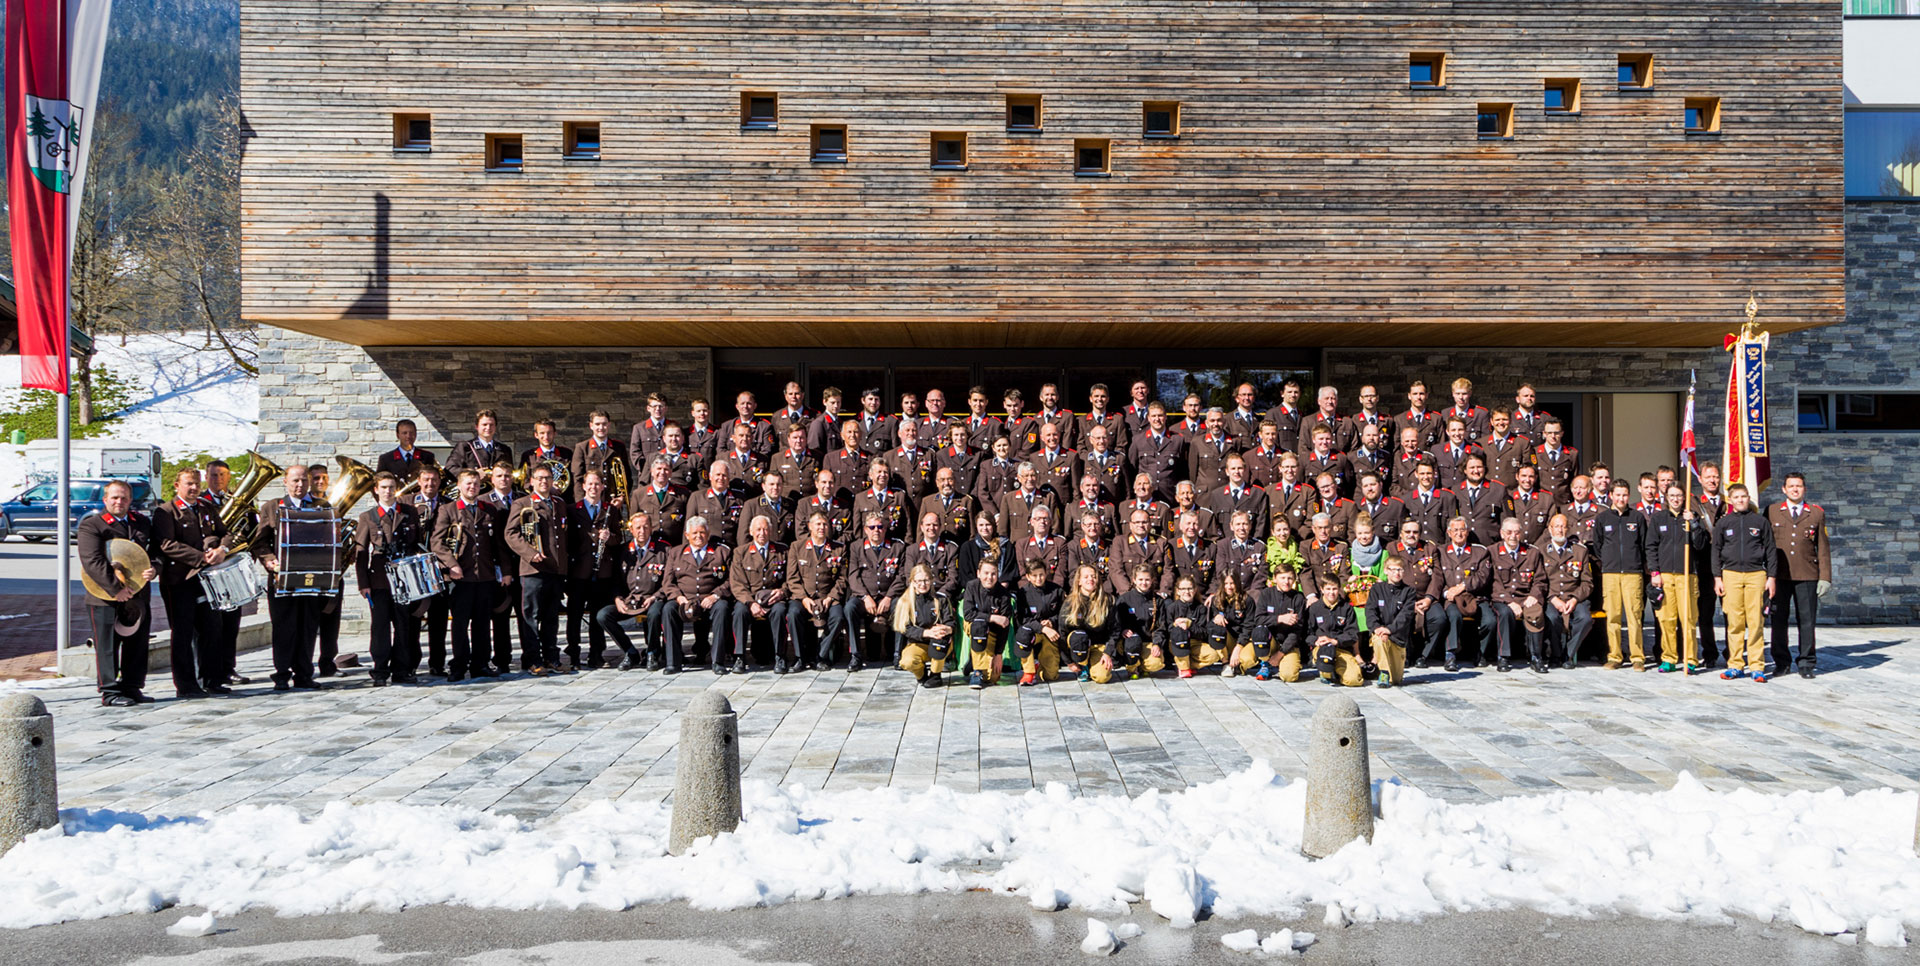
<point>1311,198</point>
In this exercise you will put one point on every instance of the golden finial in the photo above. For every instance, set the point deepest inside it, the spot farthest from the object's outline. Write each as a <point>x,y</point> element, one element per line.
<point>1753,309</point>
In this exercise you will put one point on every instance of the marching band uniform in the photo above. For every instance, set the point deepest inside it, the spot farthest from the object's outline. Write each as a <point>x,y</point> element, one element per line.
<point>120,628</point>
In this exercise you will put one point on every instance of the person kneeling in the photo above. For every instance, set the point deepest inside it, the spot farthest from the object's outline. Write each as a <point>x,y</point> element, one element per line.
<point>1336,637</point>
<point>924,620</point>
<point>1092,624</point>
<point>1275,628</point>
<point>1189,621</point>
<point>1038,638</point>
<point>1391,622</point>
<point>988,612</point>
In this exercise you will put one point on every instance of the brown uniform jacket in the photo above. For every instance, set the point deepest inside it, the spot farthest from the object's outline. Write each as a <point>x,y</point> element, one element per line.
<point>1557,470</point>
<point>1126,553</point>
<point>1387,516</point>
<point>1427,423</point>
<point>1450,468</point>
<point>182,534</point>
<point>1095,554</point>
<point>1292,509</point>
<point>1046,548</point>
<point>603,530</point>
<point>759,435</point>
<point>1252,500</point>
<point>549,518</point>
<point>692,577</point>
<point>479,532</point>
<point>956,514</point>
<point>965,465</point>
<point>873,570</point>
<point>1517,575</point>
<point>1433,511</point>
<point>642,443</point>
<point>849,468</point>
<point>91,536</point>
<point>911,473</point>
<point>1109,521</point>
<point>1342,430</point>
<point>995,478</point>
<point>1419,567</point>
<point>1568,569</point>
<point>780,515</point>
<point>475,455</point>
<point>1326,561</point>
<point>840,523</point>
<point>1116,424</point>
<point>1162,458</point>
<point>1534,510</point>
<point>1505,455</point>
<point>1246,562</point>
<point>721,510</point>
<point>587,456</point>
<point>1336,463</point>
<point>403,465</point>
<point>1207,462</point>
<point>1484,507</point>
<point>1110,468</point>
<point>1468,565</point>
<point>1800,543</point>
<point>889,504</point>
<point>783,421</point>
<point>817,572</point>
<point>666,511</point>
<point>1193,560</point>
<point>941,558</point>
<point>757,576</point>
<point>380,538</point>
<point>646,571</point>
<point>1015,508</point>
<point>983,431</point>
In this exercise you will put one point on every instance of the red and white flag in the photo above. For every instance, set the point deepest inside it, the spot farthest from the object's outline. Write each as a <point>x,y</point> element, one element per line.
<point>1689,450</point>
<point>52,79</point>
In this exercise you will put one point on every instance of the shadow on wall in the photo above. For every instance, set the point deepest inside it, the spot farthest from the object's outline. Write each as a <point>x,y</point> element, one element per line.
<point>372,302</point>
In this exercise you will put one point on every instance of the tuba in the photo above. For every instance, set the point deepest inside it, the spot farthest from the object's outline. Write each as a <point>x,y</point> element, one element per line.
<point>355,482</point>
<point>562,475</point>
<point>237,512</point>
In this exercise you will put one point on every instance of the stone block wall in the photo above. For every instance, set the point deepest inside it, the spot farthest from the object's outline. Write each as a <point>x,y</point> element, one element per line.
<point>319,397</point>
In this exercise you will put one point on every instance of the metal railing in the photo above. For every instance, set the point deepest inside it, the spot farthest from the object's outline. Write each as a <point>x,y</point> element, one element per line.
<point>1883,8</point>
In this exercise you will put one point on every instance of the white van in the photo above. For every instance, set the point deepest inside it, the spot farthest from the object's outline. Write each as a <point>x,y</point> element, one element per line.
<point>106,459</point>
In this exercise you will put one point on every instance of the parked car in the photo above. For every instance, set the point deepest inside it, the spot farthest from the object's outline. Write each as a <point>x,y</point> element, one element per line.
<point>34,513</point>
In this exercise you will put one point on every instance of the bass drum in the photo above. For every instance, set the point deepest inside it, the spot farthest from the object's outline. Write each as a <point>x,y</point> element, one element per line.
<point>234,583</point>
<point>415,578</point>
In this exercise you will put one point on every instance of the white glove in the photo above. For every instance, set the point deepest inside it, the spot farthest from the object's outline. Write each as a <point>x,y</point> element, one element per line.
<point>1820,588</point>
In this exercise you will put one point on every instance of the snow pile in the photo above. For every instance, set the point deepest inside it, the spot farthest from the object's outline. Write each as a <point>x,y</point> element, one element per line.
<point>1825,861</point>
<point>1100,939</point>
<point>187,399</point>
<point>193,927</point>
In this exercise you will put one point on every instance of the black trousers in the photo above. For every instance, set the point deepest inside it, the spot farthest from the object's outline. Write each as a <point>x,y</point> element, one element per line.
<point>864,629</point>
<point>120,659</point>
<point>329,628</point>
<point>1564,635</point>
<point>471,602</point>
<point>1433,627</point>
<point>394,643</point>
<point>586,596</point>
<point>1709,647</point>
<point>609,620</point>
<point>218,658</point>
<point>504,619</point>
<point>1511,626</point>
<point>296,626</point>
<point>819,634</point>
<point>539,621</point>
<point>709,630</point>
<point>437,611</point>
<point>1806,606</point>
<point>193,626</point>
<point>775,622</point>
<point>1457,622</point>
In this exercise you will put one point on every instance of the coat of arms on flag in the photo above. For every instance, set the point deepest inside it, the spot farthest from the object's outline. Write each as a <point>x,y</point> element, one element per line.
<point>53,140</point>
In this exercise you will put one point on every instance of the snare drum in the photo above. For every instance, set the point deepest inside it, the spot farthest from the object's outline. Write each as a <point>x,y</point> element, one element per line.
<point>415,578</point>
<point>235,583</point>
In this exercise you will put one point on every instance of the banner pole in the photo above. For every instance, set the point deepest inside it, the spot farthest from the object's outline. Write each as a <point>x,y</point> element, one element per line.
<point>63,592</point>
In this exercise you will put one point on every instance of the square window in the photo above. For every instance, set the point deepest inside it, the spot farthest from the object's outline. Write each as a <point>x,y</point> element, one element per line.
<point>1023,112</point>
<point>412,132</point>
<point>503,152</point>
<point>1091,157</point>
<point>583,140</point>
<point>830,143</point>
<point>1428,70</point>
<point>1636,72</point>
<point>950,151</point>
<point>1496,121</point>
<point>1703,115</point>
<point>759,111</point>
<point>1161,119</point>
<point>1563,96</point>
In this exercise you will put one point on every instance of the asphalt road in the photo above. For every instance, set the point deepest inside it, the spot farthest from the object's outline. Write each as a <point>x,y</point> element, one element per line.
<point>969,928</point>
<point>30,568</point>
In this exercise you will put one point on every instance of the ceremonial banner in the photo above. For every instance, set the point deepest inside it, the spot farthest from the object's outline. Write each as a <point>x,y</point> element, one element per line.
<point>53,57</point>
<point>1745,446</point>
<point>1689,449</point>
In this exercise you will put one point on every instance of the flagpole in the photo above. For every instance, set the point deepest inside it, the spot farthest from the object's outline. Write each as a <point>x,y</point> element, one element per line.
<point>63,416</point>
<point>1691,600</point>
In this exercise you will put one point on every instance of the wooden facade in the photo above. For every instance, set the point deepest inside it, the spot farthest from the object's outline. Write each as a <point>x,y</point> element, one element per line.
<point>1311,198</point>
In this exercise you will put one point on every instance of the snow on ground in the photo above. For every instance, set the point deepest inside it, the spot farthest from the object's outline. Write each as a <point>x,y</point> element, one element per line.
<point>1828,862</point>
<point>188,399</point>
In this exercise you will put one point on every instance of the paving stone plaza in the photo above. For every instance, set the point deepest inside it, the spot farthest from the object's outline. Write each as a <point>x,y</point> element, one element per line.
<point>543,747</point>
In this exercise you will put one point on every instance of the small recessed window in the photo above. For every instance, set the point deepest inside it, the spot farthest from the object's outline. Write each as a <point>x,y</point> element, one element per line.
<point>1703,115</point>
<point>759,111</point>
<point>1636,72</point>
<point>950,151</point>
<point>412,132</point>
<point>1563,96</point>
<point>830,143</point>
<point>1496,121</point>
<point>503,152</point>
<point>1161,119</point>
<point>583,140</point>
<point>1090,157</point>
<point>1023,112</point>
<point>1427,70</point>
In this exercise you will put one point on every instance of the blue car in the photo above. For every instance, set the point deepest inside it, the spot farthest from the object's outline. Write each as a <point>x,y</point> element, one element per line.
<point>34,513</point>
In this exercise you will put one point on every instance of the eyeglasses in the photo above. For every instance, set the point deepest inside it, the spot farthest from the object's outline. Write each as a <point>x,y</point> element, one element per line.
<point>876,526</point>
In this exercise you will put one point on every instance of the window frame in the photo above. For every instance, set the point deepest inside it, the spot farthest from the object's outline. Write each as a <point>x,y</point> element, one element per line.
<point>1571,86</point>
<point>570,141</point>
<point>1859,140</point>
<point>748,122</point>
<point>1435,58</point>
<point>1833,404</point>
<point>1172,109</point>
<point>1711,107</point>
<point>1642,64</point>
<point>496,162</point>
<point>933,151</point>
<point>1037,102</point>
<point>815,155</point>
<point>403,142</point>
<point>1105,147</point>
<point>1503,110</point>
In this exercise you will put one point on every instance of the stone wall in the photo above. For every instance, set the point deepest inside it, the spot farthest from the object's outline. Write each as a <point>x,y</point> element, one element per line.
<point>319,397</point>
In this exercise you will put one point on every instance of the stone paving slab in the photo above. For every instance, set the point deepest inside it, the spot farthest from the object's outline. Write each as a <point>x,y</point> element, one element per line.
<point>538,747</point>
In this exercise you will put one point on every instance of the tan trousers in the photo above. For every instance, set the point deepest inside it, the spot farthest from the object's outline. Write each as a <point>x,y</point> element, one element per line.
<point>1389,657</point>
<point>1045,662</point>
<point>914,660</point>
<point>1746,595</point>
<point>1678,620</point>
<point>1346,667</point>
<point>1624,597</point>
<point>1203,654</point>
<point>982,660</point>
<point>1290,664</point>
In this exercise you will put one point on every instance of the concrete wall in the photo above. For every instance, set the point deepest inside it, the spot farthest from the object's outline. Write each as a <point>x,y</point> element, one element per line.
<point>1878,57</point>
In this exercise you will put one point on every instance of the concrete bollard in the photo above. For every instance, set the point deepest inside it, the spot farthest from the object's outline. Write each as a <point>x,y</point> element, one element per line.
<point>1339,785</point>
<point>706,774</point>
<point>29,795</point>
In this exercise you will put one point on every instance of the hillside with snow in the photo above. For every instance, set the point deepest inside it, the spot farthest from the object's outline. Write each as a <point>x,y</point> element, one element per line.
<point>189,399</point>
